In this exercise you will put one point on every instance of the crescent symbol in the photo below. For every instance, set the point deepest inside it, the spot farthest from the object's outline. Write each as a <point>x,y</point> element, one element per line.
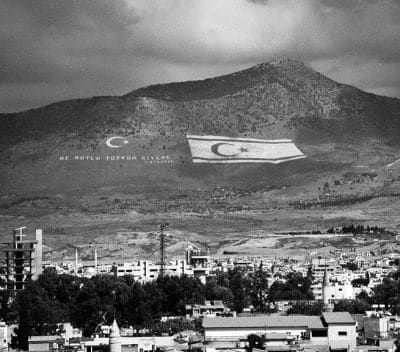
<point>215,147</point>
<point>111,139</point>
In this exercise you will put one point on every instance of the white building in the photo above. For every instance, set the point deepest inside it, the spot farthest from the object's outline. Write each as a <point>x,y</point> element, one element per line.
<point>336,330</point>
<point>209,309</point>
<point>45,343</point>
<point>341,330</point>
<point>3,336</point>
<point>145,270</point>
<point>335,291</point>
<point>195,264</point>
<point>320,265</point>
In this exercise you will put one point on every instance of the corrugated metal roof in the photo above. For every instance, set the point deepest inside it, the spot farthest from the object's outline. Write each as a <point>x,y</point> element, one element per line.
<point>338,318</point>
<point>264,321</point>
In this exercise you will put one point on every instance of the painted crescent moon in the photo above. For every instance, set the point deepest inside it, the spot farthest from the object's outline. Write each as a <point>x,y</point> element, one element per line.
<point>215,147</point>
<point>111,139</point>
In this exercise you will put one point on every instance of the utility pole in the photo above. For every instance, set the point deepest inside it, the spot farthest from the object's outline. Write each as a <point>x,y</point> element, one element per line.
<point>162,227</point>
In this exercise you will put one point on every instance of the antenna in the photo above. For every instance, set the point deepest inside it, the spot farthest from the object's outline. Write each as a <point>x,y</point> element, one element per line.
<point>162,227</point>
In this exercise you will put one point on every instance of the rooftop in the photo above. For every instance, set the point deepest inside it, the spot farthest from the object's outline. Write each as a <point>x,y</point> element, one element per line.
<point>37,339</point>
<point>338,318</point>
<point>264,321</point>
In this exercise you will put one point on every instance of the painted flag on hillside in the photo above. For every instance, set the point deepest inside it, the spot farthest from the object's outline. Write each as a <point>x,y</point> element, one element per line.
<point>217,149</point>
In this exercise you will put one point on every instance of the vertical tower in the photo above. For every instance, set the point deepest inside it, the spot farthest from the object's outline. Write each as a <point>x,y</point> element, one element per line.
<point>38,255</point>
<point>115,338</point>
<point>328,306</point>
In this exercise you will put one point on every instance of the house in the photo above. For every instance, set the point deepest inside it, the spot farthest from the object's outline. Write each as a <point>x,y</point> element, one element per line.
<point>209,308</point>
<point>335,291</point>
<point>376,327</point>
<point>45,343</point>
<point>228,328</point>
<point>341,330</point>
<point>336,330</point>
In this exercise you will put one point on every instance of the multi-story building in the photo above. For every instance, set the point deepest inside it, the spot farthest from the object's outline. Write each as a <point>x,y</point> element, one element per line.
<point>199,261</point>
<point>145,270</point>
<point>22,259</point>
<point>321,265</point>
<point>335,291</point>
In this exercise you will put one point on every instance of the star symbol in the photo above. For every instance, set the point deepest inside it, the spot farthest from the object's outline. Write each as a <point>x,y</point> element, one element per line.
<point>242,150</point>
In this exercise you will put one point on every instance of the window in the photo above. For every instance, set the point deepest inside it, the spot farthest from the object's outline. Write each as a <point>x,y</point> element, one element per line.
<point>342,333</point>
<point>319,333</point>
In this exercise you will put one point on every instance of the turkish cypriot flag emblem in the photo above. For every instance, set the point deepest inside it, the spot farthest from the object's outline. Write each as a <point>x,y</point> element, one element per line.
<point>217,149</point>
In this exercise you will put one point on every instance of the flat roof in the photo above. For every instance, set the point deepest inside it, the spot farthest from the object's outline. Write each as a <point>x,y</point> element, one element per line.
<point>51,338</point>
<point>338,318</point>
<point>264,321</point>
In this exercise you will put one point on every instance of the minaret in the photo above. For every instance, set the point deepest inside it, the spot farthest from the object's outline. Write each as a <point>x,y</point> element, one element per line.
<point>115,338</point>
<point>328,307</point>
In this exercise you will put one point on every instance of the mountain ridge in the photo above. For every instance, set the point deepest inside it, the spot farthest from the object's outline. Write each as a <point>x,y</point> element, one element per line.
<point>287,79</point>
<point>334,123</point>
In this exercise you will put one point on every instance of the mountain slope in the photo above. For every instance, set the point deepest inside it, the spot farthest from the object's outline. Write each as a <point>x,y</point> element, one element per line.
<point>331,122</point>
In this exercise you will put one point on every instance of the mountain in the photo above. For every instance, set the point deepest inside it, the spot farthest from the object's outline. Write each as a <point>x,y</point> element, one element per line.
<point>339,127</point>
<point>57,173</point>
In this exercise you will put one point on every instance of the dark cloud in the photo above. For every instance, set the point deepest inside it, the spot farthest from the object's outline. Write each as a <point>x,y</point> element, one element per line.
<point>53,50</point>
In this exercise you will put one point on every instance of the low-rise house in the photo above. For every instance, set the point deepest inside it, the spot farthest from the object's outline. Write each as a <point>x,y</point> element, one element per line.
<point>336,330</point>
<point>209,308</point>
<point>341,330</point>
<point>45,343</point>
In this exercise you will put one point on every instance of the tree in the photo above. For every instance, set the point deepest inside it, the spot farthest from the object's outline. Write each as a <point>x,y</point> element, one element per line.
<point>238,285</point>
<point>87,309</point>
<point>306,308</point>
<point>296,288</point>
<point>258,288</point>
<point>37,313</point>
<point>213,291</point>
<point>360,282</point>
<point>255,342</point>
<point>351,266</point>
<point>353,306</point>
<point>171,327</point>
<point>6,313</point>
<point>388,292</point>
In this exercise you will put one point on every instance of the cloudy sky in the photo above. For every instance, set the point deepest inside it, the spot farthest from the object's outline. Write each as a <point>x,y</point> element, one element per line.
<point>57,50</point>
